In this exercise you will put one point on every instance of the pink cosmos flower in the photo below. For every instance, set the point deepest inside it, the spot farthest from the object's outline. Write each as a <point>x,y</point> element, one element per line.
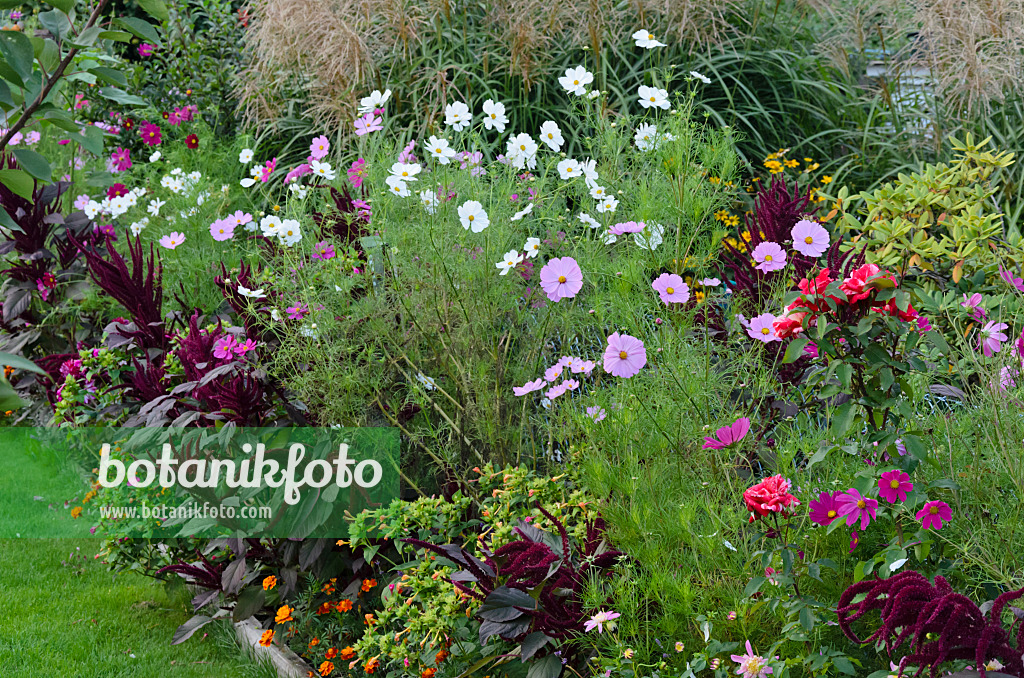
<point>894,485</point>
<point>1011,278</point>
<point>150,134</point>
<point>973,304</point>
<point>762,328</point>
<point>599,620</point>
<point>222,229</point>
<point>245,347</point>
<point>268,169</point>
<point>561,278</point>
<point>408,154</point>
<point>319,148</point>
<point>120,159</point>
<point>751,665</point>
<point>567,385</point>
<point>627,227</point>
<point>356,172</point>
<point>625,355</point>
<point>529,387</point>
<point>933,513</point>
<point>368,123</point>
<point>991,338</point>
<point>854,540</point>
<point>32,138</point>
<point>727,436</point>
<point>240,218</point>
<point>323,251</point>
<point>583,366</point>
<point>224,348</point>
<point>923,324</point>
<point>298,311</point>
<point>671,288</point>
<point>173,240</point>
<point>596,413</point>
<point>300,171</point>
<point>769,257</point>
<point>146,49</point>
<point>552,373</point>
<point>809,238</point>
<point>855,506</point>
<point>825,508</point>
<point>82,201</point>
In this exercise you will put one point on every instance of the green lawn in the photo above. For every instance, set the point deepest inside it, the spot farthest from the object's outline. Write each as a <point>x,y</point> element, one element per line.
<point>65,615</point>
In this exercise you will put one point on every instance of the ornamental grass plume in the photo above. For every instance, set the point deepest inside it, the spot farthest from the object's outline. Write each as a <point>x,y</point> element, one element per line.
<point>939,624</point>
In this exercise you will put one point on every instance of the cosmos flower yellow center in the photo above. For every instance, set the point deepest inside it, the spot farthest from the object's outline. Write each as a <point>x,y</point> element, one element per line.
<point>933,510</point>
<point>493,116</point>
<point>809,240</point>
<point>832,513</point>
<point>767,257</point>
<point>650,37</point>
<point>894,484</point>
<point>522,147</point>
<point>765,331</point>
<point>471,217</point>
<point>561,278</point>
<point>861,504</point>
<point>623,355</point>
<point>653,99</point>
<point>575,82</point>
<point>670,290</point>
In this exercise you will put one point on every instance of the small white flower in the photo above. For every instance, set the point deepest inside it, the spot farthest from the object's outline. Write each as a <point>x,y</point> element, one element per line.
<point>652,236</point>
<point>646,137</point>
<point>193,177</point>
<point>710,282</point>
<point>93,209</point>
<point>405,171</point>
<point>374,101</point>
<point>532,247</point>
<point>652,97</point>
<point>398,186</point>
<point>521,151</point>
<point>251,294</point>
<point>156,156</point>
<point>246,156</point>
<point>473,216</point>
<point>511,259</point>
<point>700,76</point>
<point>138,226</point>
<point>588,220</point>
<point>247,182</point>
<point>609,238</point>
<point>300,191</point>
<point>569,169</point>
<point>575,80</point>
<point>429,200</point>
<point>154,206</point>
<point>440,149</point>
<point>593,94</point>
<point>598,192</point>
<point>589,169</point>
<point>494,115</point>
<point>322,170</point>
<point>275,315</point>
<point>457,116</point>
<point>270,225</point>
<point>551,135</point>
<point>608,204</point>
<point>427,382</point>
<point>646,40</point>
<point>522,213</point>
<point>288,233</point>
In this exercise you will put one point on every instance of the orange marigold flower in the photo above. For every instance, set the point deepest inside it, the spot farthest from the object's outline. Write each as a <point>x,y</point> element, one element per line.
<point>368,584</point>
<point>440,656</point>
<point>326,669</point>
<point>327,588</point>
<point>269,582</point>
<point>76,512</point>
<point>284,614</point>
<point>315,642</point>
<point>428,673</point>
<point>344,605</point>
<point>347,653</point>
<point>371,665</point>
<point>368,618</point>
<point>324,608</point>
<point>331,653</point>
<point>267,638</point>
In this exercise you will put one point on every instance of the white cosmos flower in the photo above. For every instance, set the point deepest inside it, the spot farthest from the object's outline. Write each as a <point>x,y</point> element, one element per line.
<point>551,135</point>
<point>405,171</point>
<point>289,232</point>
<point>588,220</point>
<point>575,80</point>
<point>374,101</point>
<point>247,182</point>
<point>457,116</point>
<point>117,206</point>
<point>246,156</point>
<point>156,156</point>
<point>593,94</point>
<point>650,237</point>
<point>473,217</point>
<point>588,168</point>
<point>522,213</point>
<point>511,259</point>
<point>300,191</point>
<point>521,150</point>
<point>652,96</point>
<point>609,238</point>
<point>429,200</point>
<point>440,149</point>
<point>427,382</point>
<point>569,169</point>
<point>700,76</point>
<point>251,294</point>
<point>608,204</point>
<point>154,206</point>
<point>139,225</point>
<point>275,315</point>
<point>646,40</point>
<point>598,192</point>
<point>646,137</point>
<point>270,225</point>
<point>322,170</point>
<point>397,186</point>
<point>494,115</point>
<point>532,247</point>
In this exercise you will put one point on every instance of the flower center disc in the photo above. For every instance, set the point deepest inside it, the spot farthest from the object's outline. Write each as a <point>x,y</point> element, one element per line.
<point>561,278</point>
<point>623,355</point>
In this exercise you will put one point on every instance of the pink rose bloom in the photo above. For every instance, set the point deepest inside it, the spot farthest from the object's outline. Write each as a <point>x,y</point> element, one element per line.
<point>625,356</point>
<point>561,278</point>
<point>671,288</point>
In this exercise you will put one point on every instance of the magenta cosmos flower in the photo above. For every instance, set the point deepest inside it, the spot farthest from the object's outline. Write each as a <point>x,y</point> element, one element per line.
<point>751,665</point>
<point>146,49</point>
<point>671,288</point>
<point>323,250</point>
<point>727,436</point>
<point>894,485</point>
<point>809,238</point>
<point>600,620</point>
<point>150,134</point>
<point>769,257</point>
<point>224,348</point>
<point>368,123</point>
<point>825,508</point>
<point>762,328</point>
<point>856,506</point>
<point>992,337</point>
<point>561,278</point>
<point>624,356</point>
<point>933,513</point>
<point>121,159</point>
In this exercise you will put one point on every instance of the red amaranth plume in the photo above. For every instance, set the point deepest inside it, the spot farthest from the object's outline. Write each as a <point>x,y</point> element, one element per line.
<point>940,624</point>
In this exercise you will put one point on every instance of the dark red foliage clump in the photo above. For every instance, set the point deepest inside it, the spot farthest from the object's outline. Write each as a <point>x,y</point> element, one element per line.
<point>940,624</point>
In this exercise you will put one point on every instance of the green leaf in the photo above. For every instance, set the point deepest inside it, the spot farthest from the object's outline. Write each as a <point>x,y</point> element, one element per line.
<point>91,139</point>
<point>63,5</point>
<point>18,181</point>
<point>844,665</point>
<point>806,618</point>
<point>155,8</point>
<point>34,164</point>
<point>86,38</point>
<point>5,95</point>
<point>17,51</point>
<point>56,22</point>
<point>886,378</point>
<point>946,483</point>
<point>752,586</point>
<point>7,222</point>
<point>795,348</point>
<point>843,418</point>
<point>936,339</point>
<point>117,36</point>
<point>845,373</point>
<point>111,75</point>
<point>142,29</point>
<point>9,398</point>
<point>122,97</point>
<point>549,666</point>
<point>19,363</point>
<point>915,446</point>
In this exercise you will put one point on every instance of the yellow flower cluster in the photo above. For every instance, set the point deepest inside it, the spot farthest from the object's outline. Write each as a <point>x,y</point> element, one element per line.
<point>726,218</point>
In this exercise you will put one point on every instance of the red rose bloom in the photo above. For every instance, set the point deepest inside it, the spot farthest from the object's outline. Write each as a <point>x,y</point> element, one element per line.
<point>856,286</point>
<point>790,324</point>
<point>814,287</point>
<point>192,141</point>
<point>890,308</point>
<point>771,495</point>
